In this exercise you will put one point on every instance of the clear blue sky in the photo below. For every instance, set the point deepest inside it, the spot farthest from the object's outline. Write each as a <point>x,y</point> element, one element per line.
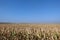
<point>30,11</point>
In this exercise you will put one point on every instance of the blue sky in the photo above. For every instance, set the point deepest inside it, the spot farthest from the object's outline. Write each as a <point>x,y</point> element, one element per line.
<point>30,11</point>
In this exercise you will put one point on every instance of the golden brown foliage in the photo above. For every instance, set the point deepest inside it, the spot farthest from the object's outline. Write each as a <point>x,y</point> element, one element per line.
<point>29,31</point>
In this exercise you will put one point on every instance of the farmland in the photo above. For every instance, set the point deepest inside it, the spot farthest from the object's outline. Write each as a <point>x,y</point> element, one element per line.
<point>29,31</point>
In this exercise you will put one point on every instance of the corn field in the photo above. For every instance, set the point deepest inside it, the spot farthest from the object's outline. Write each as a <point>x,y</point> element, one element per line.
<point>29,32</point>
